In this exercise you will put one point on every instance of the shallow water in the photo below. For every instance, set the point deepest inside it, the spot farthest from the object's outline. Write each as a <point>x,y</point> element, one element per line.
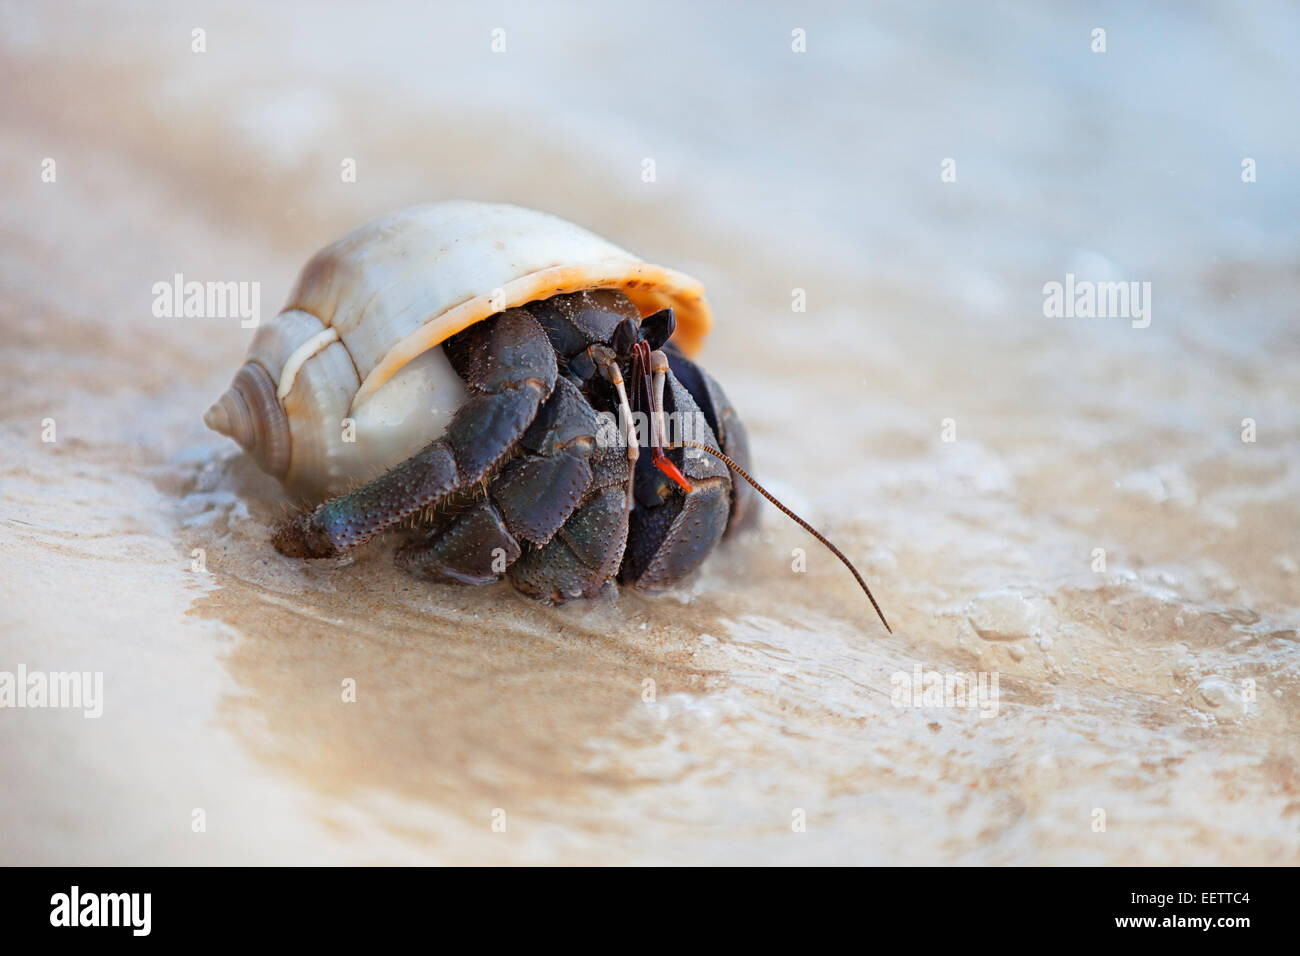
<point>1160,690</point>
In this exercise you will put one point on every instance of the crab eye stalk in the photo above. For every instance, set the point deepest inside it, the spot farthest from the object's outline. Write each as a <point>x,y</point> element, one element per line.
<point>625,337</point>
<point>659,328</point>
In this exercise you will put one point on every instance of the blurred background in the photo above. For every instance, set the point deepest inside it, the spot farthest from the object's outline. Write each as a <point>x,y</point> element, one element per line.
<point>919,171</point>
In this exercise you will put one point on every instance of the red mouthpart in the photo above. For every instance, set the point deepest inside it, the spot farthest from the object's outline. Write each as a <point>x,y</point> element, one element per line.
<point>664,464</point>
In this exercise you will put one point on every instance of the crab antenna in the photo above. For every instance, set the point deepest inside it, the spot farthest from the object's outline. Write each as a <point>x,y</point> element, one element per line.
<point>794,517</point>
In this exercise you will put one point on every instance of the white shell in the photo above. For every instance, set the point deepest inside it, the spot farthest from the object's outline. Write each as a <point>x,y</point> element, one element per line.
<point>354,355</point>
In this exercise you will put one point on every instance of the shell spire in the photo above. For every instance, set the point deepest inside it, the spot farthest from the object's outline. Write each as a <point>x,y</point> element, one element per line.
<point>251,414</point>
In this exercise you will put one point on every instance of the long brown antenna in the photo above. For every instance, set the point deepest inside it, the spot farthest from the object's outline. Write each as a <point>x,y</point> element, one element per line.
<point>794,517</point>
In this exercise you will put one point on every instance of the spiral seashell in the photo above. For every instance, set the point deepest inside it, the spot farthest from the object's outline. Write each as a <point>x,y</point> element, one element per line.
<point>251,414</point>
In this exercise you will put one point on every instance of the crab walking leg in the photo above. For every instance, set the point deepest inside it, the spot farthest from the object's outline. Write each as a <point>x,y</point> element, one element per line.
<point>539,489</point>
<point>509,366</point>
<point>587,550</point>
<point>527,501</point>
<point>604,359</point>
<point>474,548</point>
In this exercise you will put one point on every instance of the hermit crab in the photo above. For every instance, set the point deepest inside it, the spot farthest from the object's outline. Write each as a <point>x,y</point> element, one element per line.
<point>486,378</point>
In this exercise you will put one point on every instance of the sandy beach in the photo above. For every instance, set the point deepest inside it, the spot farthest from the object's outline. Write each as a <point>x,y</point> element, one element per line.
<point>1073,504</point>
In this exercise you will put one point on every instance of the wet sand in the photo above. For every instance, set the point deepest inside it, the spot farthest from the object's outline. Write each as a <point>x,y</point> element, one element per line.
<point>1160,690</point>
